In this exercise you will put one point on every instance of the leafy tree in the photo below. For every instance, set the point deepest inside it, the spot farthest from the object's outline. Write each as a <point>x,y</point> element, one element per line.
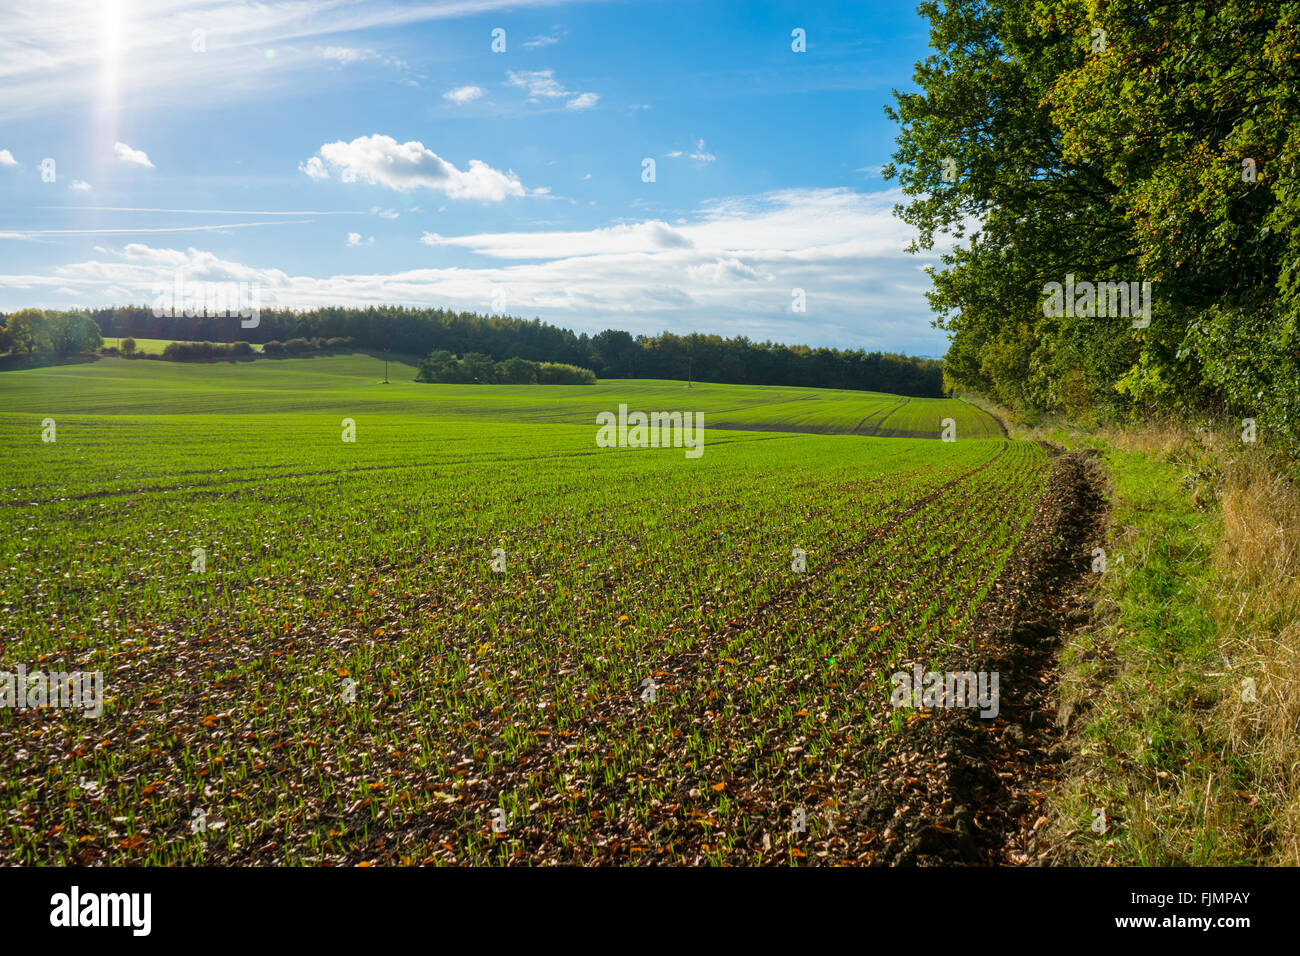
<point>980,156</point>
<point>477,367</point>
<point>517,371</point>
<point>1129,140</point>
<point>72,333</point>
<point>28,331</point>
<point>1192,114</point>
<point>438,366</point>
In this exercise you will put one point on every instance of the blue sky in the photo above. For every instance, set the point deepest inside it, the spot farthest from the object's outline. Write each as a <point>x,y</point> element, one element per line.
<point>355,152</point>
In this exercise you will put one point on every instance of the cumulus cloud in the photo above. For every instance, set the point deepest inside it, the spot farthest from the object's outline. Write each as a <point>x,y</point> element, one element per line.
<point>381,160</point>
<point>538,84</point>
<point>7,158</point>
<point>463,94</point>
<point>135,157</point>
<point>354,239</point>
<point>314,168</point>
<point>583,102</point>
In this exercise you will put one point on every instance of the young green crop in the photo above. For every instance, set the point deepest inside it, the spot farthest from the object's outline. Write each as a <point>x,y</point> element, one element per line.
<point>350,680</point>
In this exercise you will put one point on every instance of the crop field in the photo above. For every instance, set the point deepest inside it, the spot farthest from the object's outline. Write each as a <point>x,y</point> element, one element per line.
<point>471,635</point>
<point>347,383</point>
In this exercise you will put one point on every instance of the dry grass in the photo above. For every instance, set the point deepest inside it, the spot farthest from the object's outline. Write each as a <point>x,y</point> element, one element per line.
<point>1186,681</point>
<point>1258,610</point>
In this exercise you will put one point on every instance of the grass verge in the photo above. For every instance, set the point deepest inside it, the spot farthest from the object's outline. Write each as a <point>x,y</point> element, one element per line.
<point>1180,698</point>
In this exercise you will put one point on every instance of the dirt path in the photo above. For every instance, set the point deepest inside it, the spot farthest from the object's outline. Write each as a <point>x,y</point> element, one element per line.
<point>960,789</point>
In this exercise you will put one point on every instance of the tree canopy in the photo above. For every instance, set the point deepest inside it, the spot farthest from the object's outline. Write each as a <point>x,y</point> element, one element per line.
<point>1125,141</point>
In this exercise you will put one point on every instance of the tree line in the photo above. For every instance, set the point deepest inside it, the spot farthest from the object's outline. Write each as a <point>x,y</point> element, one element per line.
<point>1077,153</point>
<point>608,354</point>
<point>41,335</point>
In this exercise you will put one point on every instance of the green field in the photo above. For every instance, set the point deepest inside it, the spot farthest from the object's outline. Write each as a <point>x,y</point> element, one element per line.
<point>350,384</point>
<point>349,679</point>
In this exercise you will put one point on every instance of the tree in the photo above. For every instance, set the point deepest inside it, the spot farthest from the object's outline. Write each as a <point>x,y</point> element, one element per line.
<point>1191,114</point>
<point>437,366</point>
<point>478,367</point>
<point>28,331</point>
<point>72,333</point>
<point>978,145</point>
<point>517,371</point>
<point>1118,142</point>
<point>128,346</point>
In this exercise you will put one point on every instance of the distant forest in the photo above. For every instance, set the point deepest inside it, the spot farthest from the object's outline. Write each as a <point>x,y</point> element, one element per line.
<point>610,354</point>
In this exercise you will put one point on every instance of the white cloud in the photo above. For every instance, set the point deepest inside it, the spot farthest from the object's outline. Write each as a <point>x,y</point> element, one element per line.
<point>314,168</point>
<point>381,160</point>
<point>136,157</point>
<point>463,94</point>
<point>342,54</point>
<point>354,239</point>
<point>700,155</point>
<point>346,55</point>
<point>636,237</point>
<point>7,158</point>
<point>542,85</point>
<point>79,185</point>
<point>729,267</point>
<point>384,213</point>
<point>537,42</point>
<point>538,83</point>
<point>720,270</point>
